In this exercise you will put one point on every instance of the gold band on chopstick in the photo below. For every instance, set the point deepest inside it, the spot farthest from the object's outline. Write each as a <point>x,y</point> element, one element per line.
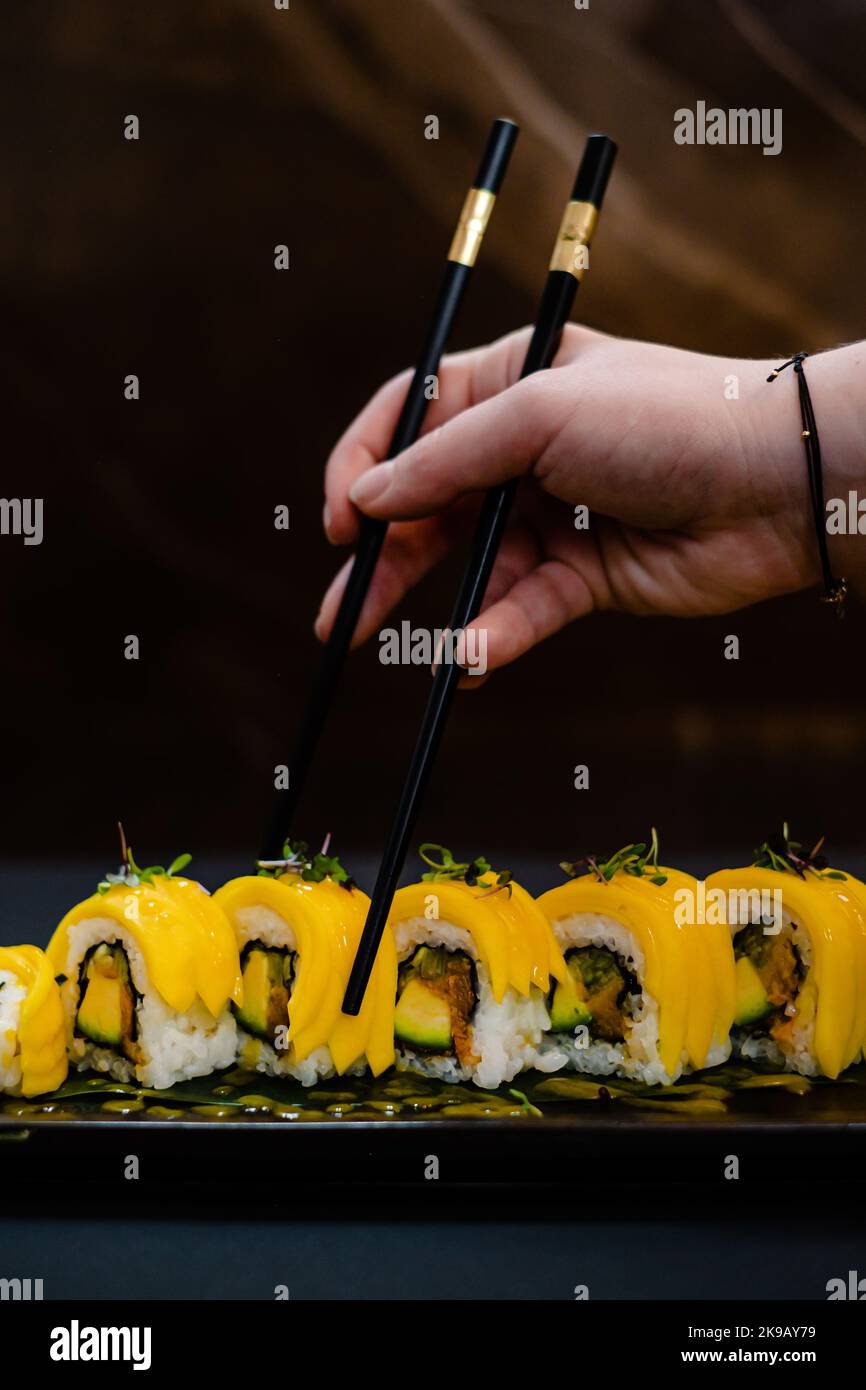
<point>472,226</point>
<point>575,232</point>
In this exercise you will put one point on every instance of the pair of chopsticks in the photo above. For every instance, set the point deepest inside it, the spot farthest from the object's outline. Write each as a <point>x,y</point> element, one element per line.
<point>563,278</point>
<point>565,272</point>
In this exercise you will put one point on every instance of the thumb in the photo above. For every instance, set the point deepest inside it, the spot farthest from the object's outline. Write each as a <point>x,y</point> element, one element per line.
<point>481,448</point>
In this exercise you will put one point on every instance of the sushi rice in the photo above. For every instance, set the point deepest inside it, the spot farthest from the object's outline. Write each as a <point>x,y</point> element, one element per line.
<point>296,938</point>
<point>637,1056</point>
<point>799,1055</point>
<point>258,923</point>
<point>12,996</point>
<point>801,970</point>
<point>32,1037</point>
<point>148,969</point>
<point>507,1035</point>
<point>174,1046</point>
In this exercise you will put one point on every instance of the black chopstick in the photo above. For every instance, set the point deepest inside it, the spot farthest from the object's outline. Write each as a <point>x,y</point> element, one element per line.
<point>464,248</point>
<point>564,275</point>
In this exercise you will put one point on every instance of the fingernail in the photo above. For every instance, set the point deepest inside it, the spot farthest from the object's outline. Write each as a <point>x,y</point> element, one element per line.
<point>372,484</point>
<point>326,521</point>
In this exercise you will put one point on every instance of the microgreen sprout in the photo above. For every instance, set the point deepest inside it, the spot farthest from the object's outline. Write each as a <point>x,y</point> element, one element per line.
<point>446,868</point>
<point>526,1104</point>
<point>641,860</point>
<point>130,874</point>
<point>296,859</point>
<point>785,855</point>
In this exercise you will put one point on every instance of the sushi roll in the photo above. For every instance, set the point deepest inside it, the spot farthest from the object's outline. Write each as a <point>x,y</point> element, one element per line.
<point>798,930</point>
<point>32,1032</point>
<point>297,924</point>
<point>150,966</point>
<point>476,958</point>
<point>648,994</point>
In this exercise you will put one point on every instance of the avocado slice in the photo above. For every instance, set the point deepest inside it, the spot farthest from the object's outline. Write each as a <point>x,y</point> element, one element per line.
<point>568,1009</point>
<point>106,1012</point>
<point>267,975</point>
<point>752,1001</point>
<point>436,994</point>
<point>422,1018</point>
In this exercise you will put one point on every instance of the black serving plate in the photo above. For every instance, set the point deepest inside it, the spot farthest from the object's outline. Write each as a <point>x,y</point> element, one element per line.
<point>732,1124</point>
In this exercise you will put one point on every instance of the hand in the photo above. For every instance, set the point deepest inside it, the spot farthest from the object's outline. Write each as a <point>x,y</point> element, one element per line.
<point>698,503</point>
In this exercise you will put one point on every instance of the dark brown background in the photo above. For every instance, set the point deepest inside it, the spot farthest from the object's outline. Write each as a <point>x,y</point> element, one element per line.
<point>156,257</point>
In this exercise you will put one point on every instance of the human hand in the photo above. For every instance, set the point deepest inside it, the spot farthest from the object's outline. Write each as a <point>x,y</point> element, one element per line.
<point>698,503</point>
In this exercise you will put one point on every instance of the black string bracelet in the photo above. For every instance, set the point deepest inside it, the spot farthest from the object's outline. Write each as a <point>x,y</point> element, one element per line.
<point>835,590</point>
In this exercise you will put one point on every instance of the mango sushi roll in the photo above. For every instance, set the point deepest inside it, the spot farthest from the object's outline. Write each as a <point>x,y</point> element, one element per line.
<point>297,926</point>
<point>648,991</point>
<point>32,1032</point>
<point>476,960</point>
<point>149,966</point>
<point>798,930</point>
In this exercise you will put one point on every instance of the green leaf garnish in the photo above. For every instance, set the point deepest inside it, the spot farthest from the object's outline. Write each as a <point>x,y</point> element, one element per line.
<point>639,859</point>
<point>130,874</point>
<point>448,869</point>
<point>311,868</point>
<point>786,856</point>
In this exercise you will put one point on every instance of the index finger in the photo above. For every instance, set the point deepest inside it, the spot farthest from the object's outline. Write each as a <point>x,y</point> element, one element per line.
<point>463,380</point>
